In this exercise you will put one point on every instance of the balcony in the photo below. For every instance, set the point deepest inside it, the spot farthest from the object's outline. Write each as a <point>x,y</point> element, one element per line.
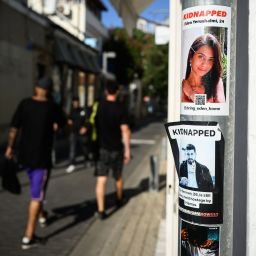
<point>94,27</point>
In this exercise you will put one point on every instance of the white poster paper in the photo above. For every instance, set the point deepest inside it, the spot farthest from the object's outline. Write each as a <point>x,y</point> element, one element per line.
<point>206,60</point>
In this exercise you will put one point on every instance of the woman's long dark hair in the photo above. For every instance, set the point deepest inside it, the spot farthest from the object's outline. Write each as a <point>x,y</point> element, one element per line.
<point>211,79</point>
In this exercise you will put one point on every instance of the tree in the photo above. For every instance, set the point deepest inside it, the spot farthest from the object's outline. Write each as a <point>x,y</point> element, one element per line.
<point>139,55</point>
<point>124,63</point>
<point>155,77</point>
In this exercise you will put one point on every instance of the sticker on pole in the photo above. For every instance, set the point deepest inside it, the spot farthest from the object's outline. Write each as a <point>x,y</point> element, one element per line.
<point>199,240</point>
<point>198,151</point>
<point>206,60</point>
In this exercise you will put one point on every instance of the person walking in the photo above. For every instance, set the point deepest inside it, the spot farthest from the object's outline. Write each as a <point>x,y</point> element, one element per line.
<point>77,121</point>
<point>114,142</point>
<point>35,118</point>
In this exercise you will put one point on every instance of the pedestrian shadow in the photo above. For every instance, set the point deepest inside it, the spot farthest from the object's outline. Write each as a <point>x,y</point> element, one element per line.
<point>130,193</point>
<point>80,211</point>
<point>85,211</point>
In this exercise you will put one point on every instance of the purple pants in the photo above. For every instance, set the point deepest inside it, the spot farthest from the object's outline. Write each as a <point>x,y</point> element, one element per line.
<point>37,178</point>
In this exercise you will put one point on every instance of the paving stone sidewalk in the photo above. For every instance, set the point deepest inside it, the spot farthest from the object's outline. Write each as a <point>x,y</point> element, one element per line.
<point>73,230</point>
<point>134,229</point>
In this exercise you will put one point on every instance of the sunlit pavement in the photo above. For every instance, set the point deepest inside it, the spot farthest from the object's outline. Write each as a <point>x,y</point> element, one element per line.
<point>73,229</point>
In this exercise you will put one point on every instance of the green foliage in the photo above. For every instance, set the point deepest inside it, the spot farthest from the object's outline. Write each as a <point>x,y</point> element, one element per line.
<point>156,72</point>
<point>138,55</point>
<point>125,62</point>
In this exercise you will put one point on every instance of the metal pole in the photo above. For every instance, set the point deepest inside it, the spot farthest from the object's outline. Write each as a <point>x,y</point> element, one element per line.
<point>240,222</point>
<point>229,229</point>
<point>154,174</point>
<point>227,127</point>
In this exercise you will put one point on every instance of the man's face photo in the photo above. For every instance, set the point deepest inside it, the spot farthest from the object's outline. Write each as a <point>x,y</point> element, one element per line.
<point>191,156</point>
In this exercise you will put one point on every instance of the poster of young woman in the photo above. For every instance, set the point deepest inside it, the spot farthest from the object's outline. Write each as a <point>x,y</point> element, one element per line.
<point>205,60</point>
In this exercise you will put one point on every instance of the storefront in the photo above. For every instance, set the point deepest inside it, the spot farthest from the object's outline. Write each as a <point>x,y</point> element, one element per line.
<point>77,68</point>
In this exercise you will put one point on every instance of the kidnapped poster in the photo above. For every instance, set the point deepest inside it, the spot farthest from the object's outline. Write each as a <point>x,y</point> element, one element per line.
<point>198,151</point>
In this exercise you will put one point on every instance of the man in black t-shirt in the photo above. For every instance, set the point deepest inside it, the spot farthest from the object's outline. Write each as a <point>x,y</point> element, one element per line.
<point>114,141</point>
<point>35,117</point>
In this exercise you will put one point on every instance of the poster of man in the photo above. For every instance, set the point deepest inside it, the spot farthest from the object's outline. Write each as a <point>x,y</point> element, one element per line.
<point>198,149</point>
<point>193,174</point>
<point>198,240</point>
<point>205,60</point>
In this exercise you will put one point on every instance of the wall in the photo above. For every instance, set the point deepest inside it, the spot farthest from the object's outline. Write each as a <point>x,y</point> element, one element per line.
<point>18,35</point>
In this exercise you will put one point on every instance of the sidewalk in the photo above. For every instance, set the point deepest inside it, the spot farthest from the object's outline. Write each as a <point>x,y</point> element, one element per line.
<point>134,229</point>
<point>74,230</point>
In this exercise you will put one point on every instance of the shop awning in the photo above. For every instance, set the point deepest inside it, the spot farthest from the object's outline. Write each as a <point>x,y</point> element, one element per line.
<point>62,53</point>
<point>75,56</point>
<point>94,62</point>
<point>88,63</point>
<point>79,63</point>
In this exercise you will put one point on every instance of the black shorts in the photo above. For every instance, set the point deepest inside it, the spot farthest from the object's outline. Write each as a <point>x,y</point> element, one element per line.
<point>110,160</point>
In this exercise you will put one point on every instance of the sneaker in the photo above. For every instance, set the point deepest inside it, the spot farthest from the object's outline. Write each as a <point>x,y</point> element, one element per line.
<point>101,215</point>
<point>27,244</point>
<point>70,169</point>
<point>42,220</point>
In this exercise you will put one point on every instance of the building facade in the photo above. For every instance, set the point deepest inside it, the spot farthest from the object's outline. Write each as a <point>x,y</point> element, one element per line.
<point>40,38</point>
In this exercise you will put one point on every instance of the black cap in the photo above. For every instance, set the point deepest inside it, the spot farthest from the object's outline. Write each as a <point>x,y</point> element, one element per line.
<point>45,83</point>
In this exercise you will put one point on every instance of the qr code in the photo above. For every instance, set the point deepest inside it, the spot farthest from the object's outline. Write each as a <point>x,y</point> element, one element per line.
<point>200,99</point>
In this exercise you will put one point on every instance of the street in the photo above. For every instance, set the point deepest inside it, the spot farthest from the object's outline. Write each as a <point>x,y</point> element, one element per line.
<point>70,202</point>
